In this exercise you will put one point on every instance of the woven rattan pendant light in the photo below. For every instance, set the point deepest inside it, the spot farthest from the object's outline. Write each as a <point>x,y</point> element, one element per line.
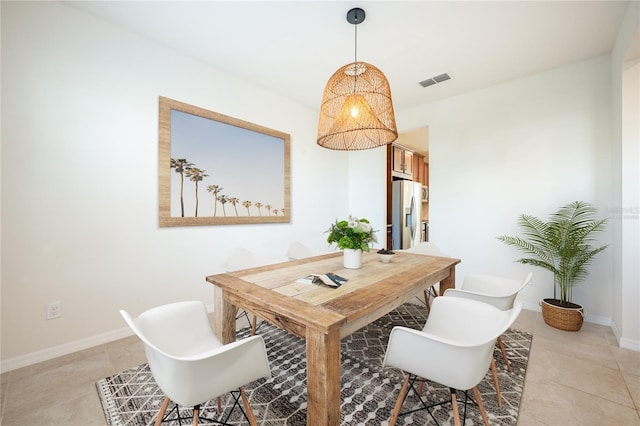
<point>356,111</point>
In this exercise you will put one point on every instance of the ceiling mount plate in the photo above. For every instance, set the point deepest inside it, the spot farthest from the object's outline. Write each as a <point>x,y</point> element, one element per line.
<point>355,16</point>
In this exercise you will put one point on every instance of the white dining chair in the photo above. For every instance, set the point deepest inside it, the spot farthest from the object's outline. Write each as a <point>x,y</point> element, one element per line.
<point>455,349</point>
<point>427,248</point>
<point>296,250</point>
<point>190,365</point>
<point>241,258</point>
<point>498,291</point>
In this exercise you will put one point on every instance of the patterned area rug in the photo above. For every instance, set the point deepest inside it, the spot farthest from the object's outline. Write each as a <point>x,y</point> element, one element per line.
<point>368,392</point>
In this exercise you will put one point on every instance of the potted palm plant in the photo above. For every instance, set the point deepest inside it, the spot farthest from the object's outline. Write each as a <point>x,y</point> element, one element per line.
<point>561,245</point>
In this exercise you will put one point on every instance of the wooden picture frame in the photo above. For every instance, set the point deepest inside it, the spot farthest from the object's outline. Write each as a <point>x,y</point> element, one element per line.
<point>219,170</point>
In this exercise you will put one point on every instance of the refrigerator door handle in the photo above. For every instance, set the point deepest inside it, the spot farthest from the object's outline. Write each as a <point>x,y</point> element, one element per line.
<point>412,219</point>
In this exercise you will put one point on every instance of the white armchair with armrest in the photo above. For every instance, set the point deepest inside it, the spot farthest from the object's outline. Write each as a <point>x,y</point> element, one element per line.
<point>455,349</point>
<point>498,291</point>
<point>190,365</point>
<point>296,250</point>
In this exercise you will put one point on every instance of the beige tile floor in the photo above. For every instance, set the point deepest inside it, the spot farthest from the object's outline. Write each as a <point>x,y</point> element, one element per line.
<point>578,378</point>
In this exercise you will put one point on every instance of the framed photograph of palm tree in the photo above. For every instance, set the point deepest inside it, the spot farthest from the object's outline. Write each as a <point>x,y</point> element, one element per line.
<point>219,170</point>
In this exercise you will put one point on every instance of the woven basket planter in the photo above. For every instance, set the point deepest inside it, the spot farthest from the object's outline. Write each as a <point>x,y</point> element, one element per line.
<point>568,317</point>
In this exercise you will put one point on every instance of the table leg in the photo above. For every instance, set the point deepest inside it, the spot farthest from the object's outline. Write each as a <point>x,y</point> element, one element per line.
<point>224,314</point>
<point>323,377</point>
<point>449,282</point>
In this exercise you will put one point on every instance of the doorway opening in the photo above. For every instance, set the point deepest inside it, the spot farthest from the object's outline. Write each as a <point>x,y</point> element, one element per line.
<point>408,160</point>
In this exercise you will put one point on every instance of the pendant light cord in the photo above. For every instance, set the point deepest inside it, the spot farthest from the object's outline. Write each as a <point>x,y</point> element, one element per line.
<point>355,54</point>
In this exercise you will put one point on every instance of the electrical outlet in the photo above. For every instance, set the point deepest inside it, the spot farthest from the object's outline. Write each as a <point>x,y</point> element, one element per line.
<point>53,310</point>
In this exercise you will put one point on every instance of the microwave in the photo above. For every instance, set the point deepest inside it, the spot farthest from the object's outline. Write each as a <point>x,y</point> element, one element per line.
<point>425,194</point>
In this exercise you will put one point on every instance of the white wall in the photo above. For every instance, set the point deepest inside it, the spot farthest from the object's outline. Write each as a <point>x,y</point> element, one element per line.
<point>367,188</point>
<point>79,179</point>
<point>625,74</point>
<point>526,146</point>
<point>628,332</point>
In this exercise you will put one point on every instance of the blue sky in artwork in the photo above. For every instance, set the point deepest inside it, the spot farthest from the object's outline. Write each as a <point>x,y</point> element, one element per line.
<point>246,164</point>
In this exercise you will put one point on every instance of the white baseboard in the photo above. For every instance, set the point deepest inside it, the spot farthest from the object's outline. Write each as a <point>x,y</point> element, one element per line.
<point>625,342</point>
<point>531,306</point>
<point>633,345</point>
<point>66,349</point>
<point>598,320</point>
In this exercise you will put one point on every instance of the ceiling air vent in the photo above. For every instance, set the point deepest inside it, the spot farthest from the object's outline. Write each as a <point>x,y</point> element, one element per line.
<point>427,83</point>
<point>433,80</point>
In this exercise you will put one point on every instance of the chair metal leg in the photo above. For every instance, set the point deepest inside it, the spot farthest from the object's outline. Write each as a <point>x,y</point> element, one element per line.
<point>409,382</point>
<point>504,353</point>
<point>163,409</point>
<point>253,321</point>
<point>427,294</point>
<point>495,381</point>
<point>454,403</point>
<point>399,401</point>
<point>247,407</point>
<point>236,395</point>
<point>242,313</point>
<point>483,412</point>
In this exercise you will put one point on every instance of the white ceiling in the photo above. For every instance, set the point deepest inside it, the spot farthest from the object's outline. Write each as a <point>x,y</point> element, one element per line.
<point>292,48</point>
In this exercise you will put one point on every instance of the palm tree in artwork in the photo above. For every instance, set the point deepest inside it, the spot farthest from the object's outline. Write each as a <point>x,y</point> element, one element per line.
<point>214,190</point>
<point>246,205</point>
<point>223,200</point>
<point>259,206</point>
<point>275,212</point>
<point>234,201</point>
<point>282,211</point>
<point>268,207</point>
<point>196,175</point>
<point>180,165</point>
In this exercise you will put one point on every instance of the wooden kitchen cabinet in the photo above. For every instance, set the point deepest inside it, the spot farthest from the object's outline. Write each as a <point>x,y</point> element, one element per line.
<point>418,168</point>
<point>402,162</point>
<point>426,174</point>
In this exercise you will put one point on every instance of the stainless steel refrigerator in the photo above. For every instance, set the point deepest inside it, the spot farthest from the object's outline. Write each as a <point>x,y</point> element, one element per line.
<point>406,207</point>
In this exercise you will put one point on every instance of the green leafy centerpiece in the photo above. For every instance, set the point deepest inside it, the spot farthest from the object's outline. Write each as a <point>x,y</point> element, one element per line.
<point>353,236</point>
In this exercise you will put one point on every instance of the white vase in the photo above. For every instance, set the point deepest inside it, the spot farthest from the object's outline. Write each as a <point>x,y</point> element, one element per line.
<point>352,259</point>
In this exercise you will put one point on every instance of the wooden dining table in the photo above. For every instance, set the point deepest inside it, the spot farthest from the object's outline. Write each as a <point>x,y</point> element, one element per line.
<point>322,315</point>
